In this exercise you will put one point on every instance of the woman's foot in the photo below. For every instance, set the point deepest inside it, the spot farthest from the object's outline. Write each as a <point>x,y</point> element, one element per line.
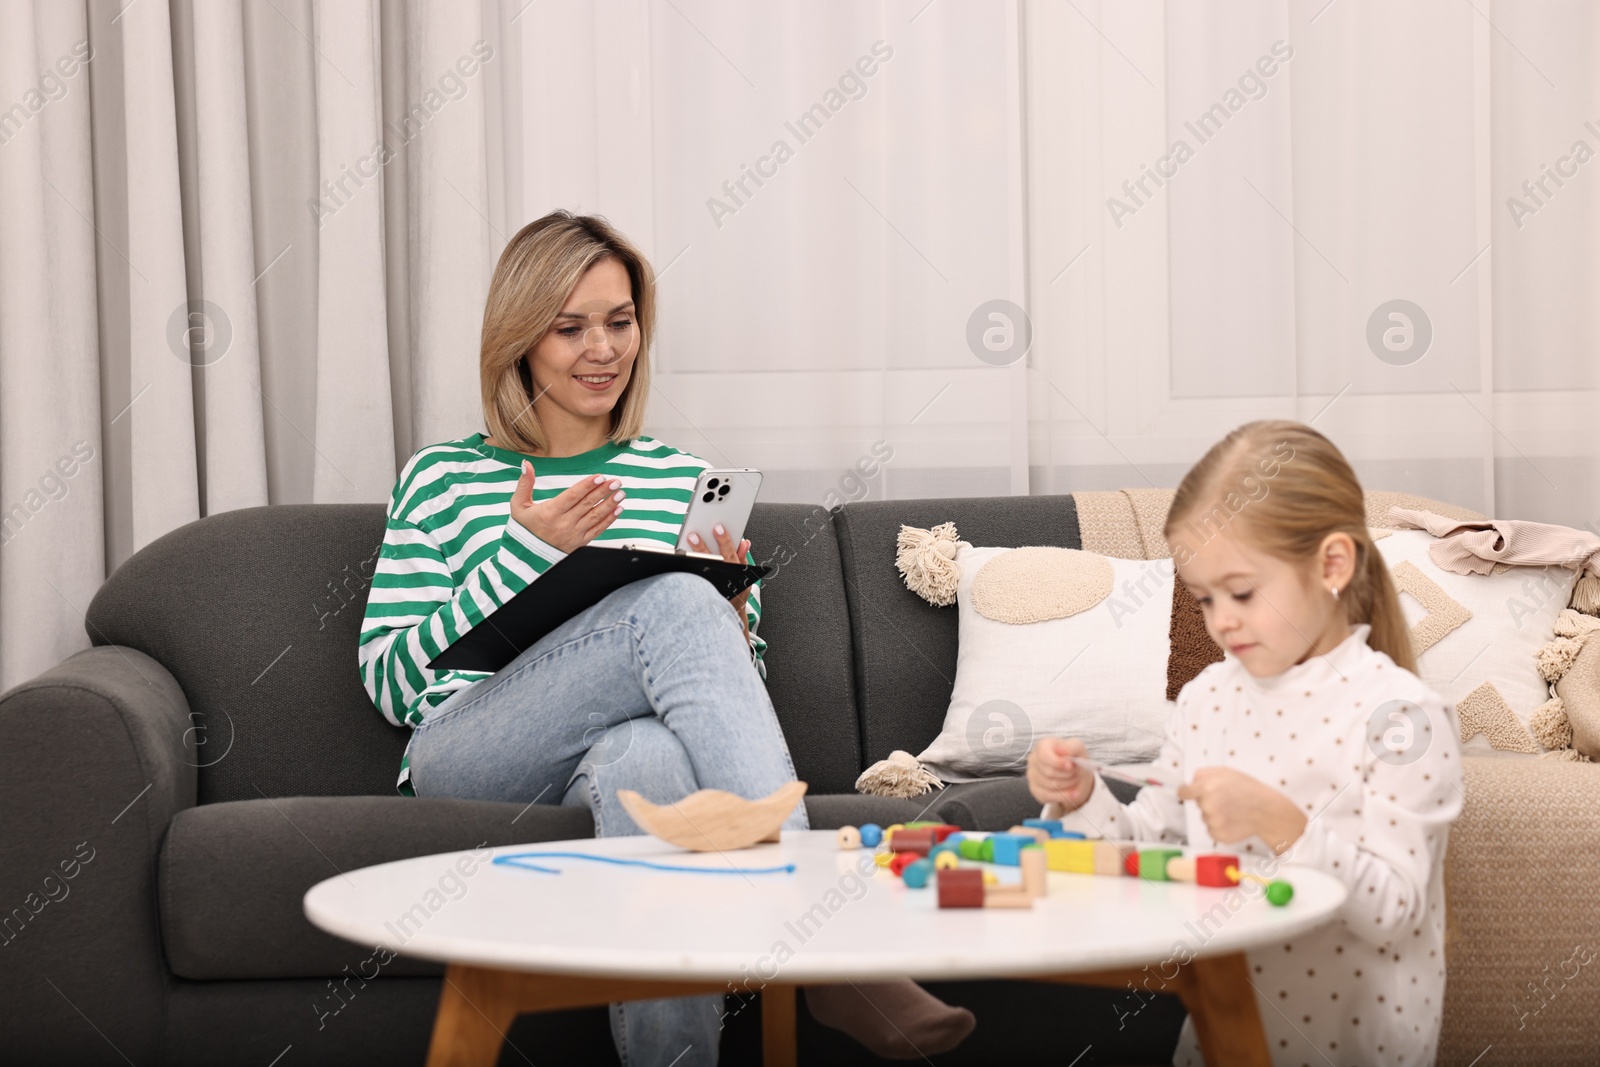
<point>895,1020</point>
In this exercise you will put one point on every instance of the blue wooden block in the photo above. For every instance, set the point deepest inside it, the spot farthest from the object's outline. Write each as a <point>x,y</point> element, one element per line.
<point>1051,826</point>
<point>1073,834</point>
<point>1008,848</point>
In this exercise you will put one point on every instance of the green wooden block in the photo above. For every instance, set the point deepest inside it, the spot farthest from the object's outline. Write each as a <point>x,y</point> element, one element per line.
<point>1153,863</point>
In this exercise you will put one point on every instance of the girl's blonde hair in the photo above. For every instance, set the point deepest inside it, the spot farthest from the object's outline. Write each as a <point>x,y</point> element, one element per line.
<point>537,272</point>
<point>1288,487</point>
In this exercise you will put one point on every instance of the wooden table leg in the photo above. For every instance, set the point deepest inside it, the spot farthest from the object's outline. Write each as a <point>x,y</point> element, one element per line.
<point>475,1010</point>
<point>1216,991</point>
<point>1222,1003</point>
<point>478,1004</point>
<point>778,1026</point>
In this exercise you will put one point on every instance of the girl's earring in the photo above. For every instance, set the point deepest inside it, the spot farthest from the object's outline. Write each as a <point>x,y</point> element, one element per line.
<point>1335,591</point>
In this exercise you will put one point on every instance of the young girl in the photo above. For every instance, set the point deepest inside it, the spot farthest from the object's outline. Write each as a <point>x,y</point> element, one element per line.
<point>1312,740</point>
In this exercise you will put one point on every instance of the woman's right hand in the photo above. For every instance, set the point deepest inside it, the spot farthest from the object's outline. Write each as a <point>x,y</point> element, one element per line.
<point>572,518</point>
<point>1054,778</point>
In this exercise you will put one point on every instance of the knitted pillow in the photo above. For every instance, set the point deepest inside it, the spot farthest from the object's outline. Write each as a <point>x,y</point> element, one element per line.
<point>1478,637</point>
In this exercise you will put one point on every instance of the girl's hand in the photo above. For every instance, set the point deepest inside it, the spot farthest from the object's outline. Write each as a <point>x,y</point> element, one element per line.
<point>1236,806</point>
<point>571,519</point>
<point>730,552</point>
<point>1053,778</point>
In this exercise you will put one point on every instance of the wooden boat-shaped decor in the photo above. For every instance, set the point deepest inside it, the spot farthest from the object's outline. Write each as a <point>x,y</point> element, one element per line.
<point>714,820</point>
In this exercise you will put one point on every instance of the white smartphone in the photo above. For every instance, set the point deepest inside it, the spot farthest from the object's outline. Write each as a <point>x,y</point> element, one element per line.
<point>721,495</point>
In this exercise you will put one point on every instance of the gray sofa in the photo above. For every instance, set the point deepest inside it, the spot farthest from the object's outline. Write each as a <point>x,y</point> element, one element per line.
<point>169,794</point>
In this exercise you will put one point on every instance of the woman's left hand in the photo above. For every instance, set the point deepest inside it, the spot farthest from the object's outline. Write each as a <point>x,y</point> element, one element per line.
<point>1236,806</point>
<point>732,553</point>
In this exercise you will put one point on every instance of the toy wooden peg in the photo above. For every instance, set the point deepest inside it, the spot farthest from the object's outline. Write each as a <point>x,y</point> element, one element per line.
<point>1007,896</point>
<point>1034,871</point>
<point>849,837</point>
<point>1278,892</point>
<point>713,820</point>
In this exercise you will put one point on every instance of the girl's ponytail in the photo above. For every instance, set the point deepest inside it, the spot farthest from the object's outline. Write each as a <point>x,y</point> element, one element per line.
<point>1375,601</point>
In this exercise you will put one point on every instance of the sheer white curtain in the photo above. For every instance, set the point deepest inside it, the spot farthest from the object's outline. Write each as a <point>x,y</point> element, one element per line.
<point>1382,159</point>
<point>820,305</point>
<point>243,255</point>
<point>906,248</point>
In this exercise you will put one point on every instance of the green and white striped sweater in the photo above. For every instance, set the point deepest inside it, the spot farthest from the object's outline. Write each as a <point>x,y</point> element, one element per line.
<point>452,554</point>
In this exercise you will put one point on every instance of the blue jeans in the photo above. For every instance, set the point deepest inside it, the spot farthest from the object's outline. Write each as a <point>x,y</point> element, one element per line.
<point>651,689</point>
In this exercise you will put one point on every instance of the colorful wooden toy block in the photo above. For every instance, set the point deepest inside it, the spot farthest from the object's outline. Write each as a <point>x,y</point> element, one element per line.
<point>1005,848</point>
<point>1151,864</point>
<point>849,837</point>
<point>960,888</point>
<point>1109,858</point>
<point>909,839</point>
<point>971,848</point>
<point>871,834</point>
<point>901,860</point>
<point>945,859</point>
<point>1077,857</point>
<point>883,859</point>
<point>1212,869</point>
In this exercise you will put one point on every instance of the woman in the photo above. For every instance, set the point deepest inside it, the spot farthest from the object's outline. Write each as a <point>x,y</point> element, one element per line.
<point>658,687</point>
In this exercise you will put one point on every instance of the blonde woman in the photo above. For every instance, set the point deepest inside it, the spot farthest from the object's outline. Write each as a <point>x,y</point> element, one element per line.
<point>658,687</point>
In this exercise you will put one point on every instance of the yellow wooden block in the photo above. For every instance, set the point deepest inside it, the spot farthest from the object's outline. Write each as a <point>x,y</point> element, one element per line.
<point>1069,854</point>
<point>943,861</point>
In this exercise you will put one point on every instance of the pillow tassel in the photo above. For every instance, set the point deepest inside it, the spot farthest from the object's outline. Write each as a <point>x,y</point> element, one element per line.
<point>1586,594</point>
<point>898,776</point>
<point>926,559</point>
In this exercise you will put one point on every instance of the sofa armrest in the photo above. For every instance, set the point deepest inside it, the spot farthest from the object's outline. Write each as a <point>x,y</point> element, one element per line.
<point>1522,882</point>
<point>96,756</point>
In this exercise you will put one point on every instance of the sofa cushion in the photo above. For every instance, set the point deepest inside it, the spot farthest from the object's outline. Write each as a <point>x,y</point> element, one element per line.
<point>805,624</point>
<point>256,613</point>
<point>905,648</point>
<point>231,876</point>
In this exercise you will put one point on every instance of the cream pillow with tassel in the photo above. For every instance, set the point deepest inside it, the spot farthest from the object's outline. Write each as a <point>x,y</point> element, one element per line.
<point>1054,642</point>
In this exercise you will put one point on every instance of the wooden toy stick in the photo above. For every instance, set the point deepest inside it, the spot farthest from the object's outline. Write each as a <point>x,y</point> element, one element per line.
<point>1112,772</point>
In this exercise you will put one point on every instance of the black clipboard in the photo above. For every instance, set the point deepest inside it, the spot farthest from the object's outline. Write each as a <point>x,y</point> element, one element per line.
<point>579,580</point>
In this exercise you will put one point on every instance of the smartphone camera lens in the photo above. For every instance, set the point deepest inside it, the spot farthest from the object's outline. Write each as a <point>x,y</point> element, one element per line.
<point>724,490</point>
<point>712,483</point>
<point>709,497</point>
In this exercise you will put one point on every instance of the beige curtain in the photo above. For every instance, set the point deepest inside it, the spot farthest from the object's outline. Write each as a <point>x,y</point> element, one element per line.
<point>243,257</point>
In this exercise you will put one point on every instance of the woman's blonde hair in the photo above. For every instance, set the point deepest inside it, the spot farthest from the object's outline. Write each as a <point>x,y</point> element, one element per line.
<point>1288,487</point>
<point>537,272</point>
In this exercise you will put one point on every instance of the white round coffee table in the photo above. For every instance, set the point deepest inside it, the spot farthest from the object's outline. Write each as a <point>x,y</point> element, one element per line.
<point>518,940</point>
